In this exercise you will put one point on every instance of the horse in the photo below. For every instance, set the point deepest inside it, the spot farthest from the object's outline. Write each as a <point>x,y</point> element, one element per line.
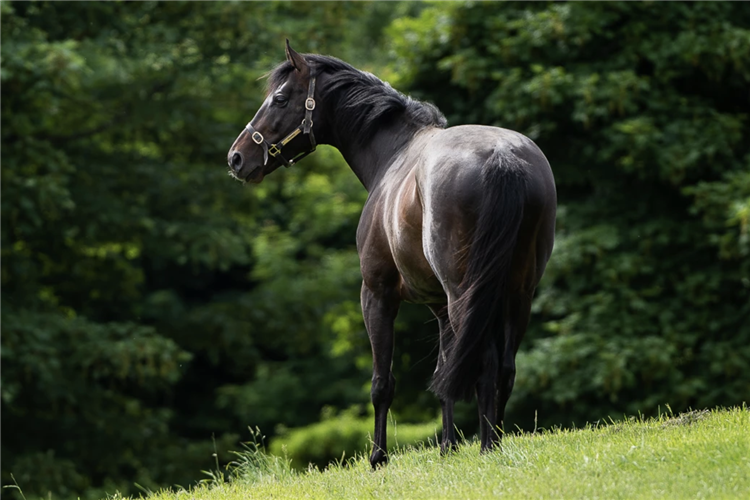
<point>461,219</point>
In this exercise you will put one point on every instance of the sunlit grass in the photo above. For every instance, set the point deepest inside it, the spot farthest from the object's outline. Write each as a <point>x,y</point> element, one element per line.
<point>696,455</point>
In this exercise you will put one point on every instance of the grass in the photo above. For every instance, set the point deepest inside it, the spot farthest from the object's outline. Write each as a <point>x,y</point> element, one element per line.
<point>703,454</point>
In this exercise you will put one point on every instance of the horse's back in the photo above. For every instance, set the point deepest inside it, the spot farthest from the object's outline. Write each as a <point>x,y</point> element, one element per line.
<point>455,157</point>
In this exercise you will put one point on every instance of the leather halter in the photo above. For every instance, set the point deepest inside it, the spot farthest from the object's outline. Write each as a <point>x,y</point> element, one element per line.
<point>304,128</point>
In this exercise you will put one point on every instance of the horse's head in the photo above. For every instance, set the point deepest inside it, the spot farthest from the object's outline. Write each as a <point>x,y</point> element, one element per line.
<point>280,133</point>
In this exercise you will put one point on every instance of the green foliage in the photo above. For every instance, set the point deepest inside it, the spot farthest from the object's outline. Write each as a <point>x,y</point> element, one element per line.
<point>642,110</point>
<point>254,464</point>
<point>149,302</point>
<point>337,437</point>
<point>89,382</point>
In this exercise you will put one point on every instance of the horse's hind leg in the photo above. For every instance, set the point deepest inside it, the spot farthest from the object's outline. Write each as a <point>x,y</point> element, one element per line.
<point>487,393</point>
<point>448,441</point>
<point>515,329</point>
<point>379,310</point>
<point>493,395</point>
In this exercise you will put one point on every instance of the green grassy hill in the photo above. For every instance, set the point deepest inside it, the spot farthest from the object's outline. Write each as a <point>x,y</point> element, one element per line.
<point>702,454</point>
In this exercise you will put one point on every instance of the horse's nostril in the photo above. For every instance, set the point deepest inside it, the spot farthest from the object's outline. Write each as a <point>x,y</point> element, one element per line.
<point>236,161</point>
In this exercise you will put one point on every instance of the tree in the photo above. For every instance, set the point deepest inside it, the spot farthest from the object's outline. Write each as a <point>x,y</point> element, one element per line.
<point>149,302</point>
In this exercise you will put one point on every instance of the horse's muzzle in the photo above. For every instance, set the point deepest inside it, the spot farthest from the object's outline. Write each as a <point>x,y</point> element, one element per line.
<point>235,161</point>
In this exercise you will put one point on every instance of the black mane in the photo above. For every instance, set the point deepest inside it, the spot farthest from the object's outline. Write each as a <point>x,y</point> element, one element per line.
<point>364,101</point>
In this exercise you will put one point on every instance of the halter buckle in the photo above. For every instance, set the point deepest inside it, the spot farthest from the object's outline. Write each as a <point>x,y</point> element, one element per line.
<point>309,104</point>
<point>257,137</point>
<point>274,150</point>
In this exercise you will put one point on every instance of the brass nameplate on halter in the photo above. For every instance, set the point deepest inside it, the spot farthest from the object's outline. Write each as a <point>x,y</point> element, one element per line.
<point>291,136</point>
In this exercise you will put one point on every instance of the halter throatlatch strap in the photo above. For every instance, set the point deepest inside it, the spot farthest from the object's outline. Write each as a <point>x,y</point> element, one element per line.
<point>304,128</point>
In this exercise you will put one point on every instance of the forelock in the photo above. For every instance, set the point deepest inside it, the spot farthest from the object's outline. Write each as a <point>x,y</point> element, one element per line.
<point>278,76</point>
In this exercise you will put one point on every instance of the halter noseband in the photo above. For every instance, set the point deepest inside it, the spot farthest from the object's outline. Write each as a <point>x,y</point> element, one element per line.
<point>305,128</point>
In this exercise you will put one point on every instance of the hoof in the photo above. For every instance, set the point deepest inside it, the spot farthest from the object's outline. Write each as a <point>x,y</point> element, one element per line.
<point>488,448</point>
<point>378,459</point>
<point>447,448</point>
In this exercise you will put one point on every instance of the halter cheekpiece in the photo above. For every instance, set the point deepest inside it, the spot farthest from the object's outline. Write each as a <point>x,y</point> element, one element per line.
<point>304,128</point>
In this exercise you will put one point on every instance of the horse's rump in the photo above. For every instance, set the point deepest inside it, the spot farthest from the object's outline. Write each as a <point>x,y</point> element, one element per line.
<point>477,314</point>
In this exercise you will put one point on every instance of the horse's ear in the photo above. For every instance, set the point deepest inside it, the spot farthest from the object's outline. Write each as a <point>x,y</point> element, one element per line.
<point>297,60</point>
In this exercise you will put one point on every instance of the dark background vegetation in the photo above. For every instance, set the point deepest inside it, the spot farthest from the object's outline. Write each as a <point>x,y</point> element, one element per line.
<point>153,309</point>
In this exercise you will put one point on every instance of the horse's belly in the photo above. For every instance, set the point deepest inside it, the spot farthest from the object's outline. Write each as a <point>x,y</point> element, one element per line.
<point>422,289</point>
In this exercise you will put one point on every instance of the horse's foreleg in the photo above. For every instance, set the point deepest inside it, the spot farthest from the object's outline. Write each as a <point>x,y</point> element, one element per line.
<point>448,441</point>
<point>379,310</point>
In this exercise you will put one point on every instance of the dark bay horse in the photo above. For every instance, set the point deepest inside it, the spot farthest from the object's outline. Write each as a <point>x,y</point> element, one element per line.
<point>461,219</point>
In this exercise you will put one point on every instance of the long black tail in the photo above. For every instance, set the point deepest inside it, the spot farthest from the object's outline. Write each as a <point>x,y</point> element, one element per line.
<point>477,316</point>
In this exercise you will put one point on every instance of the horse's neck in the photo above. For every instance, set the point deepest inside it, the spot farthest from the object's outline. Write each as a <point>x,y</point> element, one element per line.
<point>371,159</point>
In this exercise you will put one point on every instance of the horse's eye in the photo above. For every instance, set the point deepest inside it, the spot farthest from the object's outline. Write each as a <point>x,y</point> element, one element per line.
<point>280,99</point>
